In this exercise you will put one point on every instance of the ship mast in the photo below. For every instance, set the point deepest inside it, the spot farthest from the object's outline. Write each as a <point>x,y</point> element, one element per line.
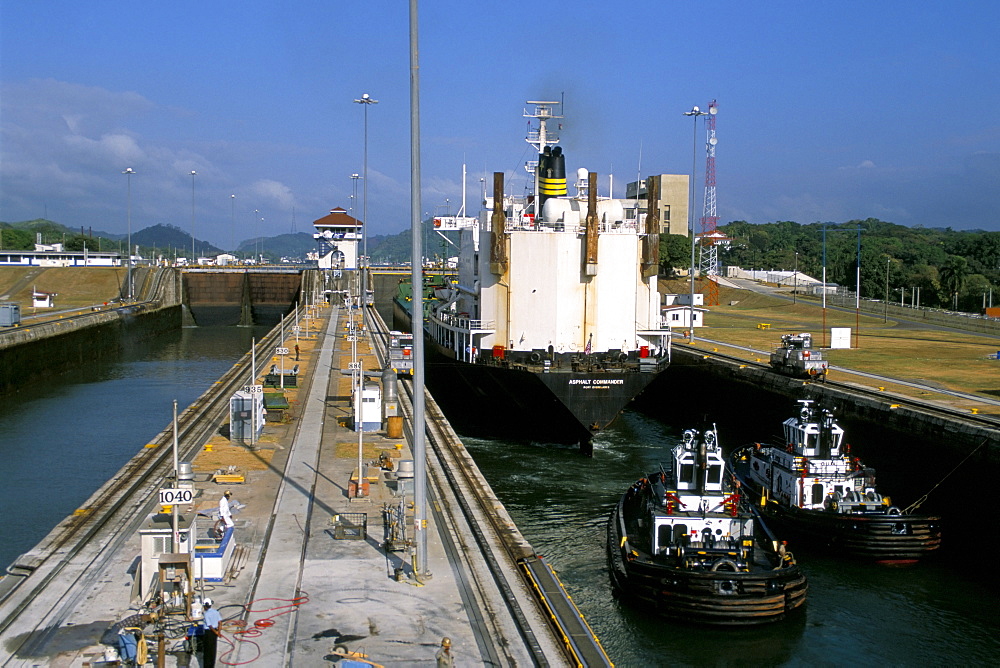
<point>540,138</point>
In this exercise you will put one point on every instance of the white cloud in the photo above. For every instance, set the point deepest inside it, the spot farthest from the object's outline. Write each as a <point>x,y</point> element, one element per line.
<point>274,191</point>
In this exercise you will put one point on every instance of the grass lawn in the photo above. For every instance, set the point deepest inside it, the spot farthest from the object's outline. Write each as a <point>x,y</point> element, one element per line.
<point>943,359</point>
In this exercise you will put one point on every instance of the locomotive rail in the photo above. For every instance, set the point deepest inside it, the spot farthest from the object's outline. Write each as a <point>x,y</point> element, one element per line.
<point>493,528</point>
<point>894,399</point>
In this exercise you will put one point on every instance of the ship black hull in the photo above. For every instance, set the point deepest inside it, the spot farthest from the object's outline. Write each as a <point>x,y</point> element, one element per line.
<point>701,597</point>
<point>557,406</point>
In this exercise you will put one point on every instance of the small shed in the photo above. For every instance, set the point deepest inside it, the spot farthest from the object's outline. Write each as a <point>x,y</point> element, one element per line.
<point>681,316</point>
<point>42,299</point>
<point>10,314</point>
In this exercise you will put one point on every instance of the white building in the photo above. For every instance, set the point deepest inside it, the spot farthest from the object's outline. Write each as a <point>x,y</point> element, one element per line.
<point>679,317</point>
<point>338,236</point>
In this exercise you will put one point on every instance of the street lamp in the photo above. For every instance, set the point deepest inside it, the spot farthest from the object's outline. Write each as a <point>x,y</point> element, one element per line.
<point>193,174</point>
<point>694,113</point>
<point>232,215</point>
<point>128,276</point>
<point>366,100</point>
<point>795,277</point>
<point>885,304</point>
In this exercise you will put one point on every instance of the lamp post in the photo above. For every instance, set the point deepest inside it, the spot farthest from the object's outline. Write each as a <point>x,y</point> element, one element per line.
<point>366,100</point>
<point>193,256</point>
<point>232,215</point>
<point>885,304</point>
<point>128,216</point>
<point>795,277</point>
<point>694,113</point>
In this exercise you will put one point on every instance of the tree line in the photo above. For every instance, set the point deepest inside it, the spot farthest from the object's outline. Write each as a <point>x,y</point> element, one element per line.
<point>952,269</point>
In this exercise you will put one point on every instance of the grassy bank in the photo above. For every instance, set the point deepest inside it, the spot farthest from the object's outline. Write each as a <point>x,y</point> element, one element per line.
<point>938,358</point>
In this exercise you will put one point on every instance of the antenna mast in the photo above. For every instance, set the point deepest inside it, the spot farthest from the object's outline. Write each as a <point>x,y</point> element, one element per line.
<point>709,261</point>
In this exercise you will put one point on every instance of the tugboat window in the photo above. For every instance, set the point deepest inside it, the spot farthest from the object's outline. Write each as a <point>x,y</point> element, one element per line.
<point>715,474</point>
<point>687,473</point>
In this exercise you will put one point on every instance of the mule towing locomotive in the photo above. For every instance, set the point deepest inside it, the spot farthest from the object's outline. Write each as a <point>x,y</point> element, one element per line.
<point>553,324</point>
<point>813,488</point>
<point>684,543</point>
<point>797,357</point>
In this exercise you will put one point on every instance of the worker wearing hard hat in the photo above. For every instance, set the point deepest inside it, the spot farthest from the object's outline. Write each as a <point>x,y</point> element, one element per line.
<point>225,514</point>
<point>213,620</point>
<point>443,656</point>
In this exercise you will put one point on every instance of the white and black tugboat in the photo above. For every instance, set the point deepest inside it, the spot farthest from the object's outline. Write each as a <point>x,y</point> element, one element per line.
<point>683,543</point>
<point>553,324</point>
<point>812,487</point>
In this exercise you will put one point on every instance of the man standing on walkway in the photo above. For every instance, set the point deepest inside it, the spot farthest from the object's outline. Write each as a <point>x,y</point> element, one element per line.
<point>443,656</point>
<point>210,640</point>
<point>225,514</point>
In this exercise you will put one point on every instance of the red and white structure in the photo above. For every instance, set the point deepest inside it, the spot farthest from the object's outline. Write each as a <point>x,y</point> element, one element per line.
<point>708,239</point>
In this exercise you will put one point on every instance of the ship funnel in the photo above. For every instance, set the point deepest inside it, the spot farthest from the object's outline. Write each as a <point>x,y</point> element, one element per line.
<point>551,175</point>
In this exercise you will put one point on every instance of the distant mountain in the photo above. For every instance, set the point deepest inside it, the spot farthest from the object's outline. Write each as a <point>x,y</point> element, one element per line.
<point>169,240</point>
<point>397,248</point>
<point>293,245</point>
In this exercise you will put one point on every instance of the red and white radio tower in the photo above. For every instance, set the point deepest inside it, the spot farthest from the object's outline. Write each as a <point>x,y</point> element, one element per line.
<point>709,261</point>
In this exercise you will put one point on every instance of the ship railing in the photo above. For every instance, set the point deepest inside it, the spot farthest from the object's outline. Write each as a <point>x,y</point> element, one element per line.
<point>529,224</point>
<point>465,323</point>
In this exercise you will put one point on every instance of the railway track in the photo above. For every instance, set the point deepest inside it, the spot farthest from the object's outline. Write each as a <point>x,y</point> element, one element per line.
<point>988,421</point>
<point>109,517</point>
<point>492,527</point>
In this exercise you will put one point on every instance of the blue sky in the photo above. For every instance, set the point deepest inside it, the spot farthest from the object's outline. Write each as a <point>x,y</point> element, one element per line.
<point>827,111</point>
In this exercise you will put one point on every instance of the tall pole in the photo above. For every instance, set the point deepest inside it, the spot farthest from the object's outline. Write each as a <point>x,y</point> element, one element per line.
<point>128,276</point>
<point>366,100</point>
<point>824,286</point>
<point>885,304</point>
<point>795,277</point>
<point>857,296</point>
<point>232,216</point>
<point>177,481</point>
<point>694,113</point>
<point>194,258</point>
<point>417,316</point>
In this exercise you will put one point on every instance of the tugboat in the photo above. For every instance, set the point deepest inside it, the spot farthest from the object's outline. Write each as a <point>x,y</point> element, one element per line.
<point>684,543</point>
<point>553,323</point>
<point>813,487</point>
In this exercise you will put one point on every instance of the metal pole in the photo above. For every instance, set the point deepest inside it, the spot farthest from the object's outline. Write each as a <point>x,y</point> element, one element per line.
<point>177,480</point>
<point>232,198</point>
<point>359,424</point>
<point>420,569</point>
<point>795,277</point>
<point>885,304</point>
<point>128,276</point>
<point>253,402</point>
<point>194,257</point>
<point>367,101</point>
<point>824,286</point>
<point>694,113</point>
<point>857,297</point>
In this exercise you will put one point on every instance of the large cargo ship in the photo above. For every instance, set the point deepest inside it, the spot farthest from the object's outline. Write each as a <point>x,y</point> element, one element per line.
<point>554,322</point>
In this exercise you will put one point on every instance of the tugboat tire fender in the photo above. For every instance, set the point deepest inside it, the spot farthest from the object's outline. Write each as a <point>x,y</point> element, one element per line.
<point>535,357</point>
<point>894,511</point>
<point>729,565</point>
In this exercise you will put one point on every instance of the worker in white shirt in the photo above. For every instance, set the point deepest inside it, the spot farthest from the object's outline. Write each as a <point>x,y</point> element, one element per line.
<point>225,514</point>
